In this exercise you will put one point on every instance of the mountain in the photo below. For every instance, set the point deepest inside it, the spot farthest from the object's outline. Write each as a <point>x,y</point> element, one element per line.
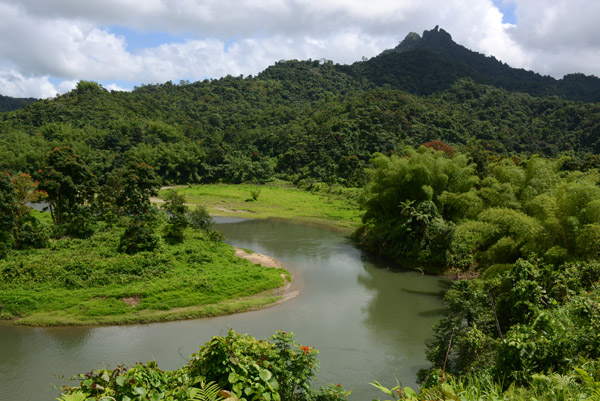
<point>433,62</point>
<point>8,103</point>
<point>313,120</point>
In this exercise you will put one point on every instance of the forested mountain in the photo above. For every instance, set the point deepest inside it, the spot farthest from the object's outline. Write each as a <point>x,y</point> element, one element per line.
<point>433,62</point>
<point>8,103</point>
<point>309,119</point>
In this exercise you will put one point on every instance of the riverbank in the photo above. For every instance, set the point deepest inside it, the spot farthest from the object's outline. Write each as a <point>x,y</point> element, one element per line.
<point>334,207</point>
<point>286,292</point>
<point>86,282</point>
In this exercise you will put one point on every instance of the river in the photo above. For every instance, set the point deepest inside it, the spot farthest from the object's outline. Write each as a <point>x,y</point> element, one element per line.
<point>368,319</point>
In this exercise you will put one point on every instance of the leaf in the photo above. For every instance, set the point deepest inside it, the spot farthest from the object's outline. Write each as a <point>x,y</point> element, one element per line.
<point>140,391</point>
<point>76,396</point>
<point>264,374</point>
<point>409,392</point>
<point>381,388</point>
<point>105,377</point>
<point>233,377</point>
<point>274,384</point>
<point>120,380</point>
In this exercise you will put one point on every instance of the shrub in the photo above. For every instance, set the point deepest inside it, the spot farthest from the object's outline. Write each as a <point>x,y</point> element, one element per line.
<point>200,218</point>
<point>30,234</point>
<point>138,237</point>
<point>248,368</point>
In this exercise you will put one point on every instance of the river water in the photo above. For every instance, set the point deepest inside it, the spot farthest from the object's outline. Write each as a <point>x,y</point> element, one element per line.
<point>368,319</point>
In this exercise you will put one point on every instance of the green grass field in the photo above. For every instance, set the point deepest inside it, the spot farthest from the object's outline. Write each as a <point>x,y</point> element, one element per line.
<point>76,282</point>
<point>279,200</point>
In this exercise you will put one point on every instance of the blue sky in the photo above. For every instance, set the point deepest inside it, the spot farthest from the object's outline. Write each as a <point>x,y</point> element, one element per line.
<point>124,43</point>
<point>508,11</point>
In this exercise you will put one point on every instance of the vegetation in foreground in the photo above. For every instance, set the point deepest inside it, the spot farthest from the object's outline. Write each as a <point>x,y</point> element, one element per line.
<point>319,203</point>
<point>582,383</point>
<point>238,366</point>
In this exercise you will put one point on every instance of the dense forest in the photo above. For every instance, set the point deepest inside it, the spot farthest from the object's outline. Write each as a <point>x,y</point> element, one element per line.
<point>8,103</point>
<point>468,167</point>
<point>312,119</point>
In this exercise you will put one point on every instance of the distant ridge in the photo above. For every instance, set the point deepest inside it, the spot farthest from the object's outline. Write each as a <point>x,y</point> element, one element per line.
<point>8,103</point>
<point>421,65</point>
<point>433,62</point>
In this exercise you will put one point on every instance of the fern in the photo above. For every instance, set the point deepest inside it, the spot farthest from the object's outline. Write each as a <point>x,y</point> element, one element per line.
<point>207,392</point>
<point>76,396</point>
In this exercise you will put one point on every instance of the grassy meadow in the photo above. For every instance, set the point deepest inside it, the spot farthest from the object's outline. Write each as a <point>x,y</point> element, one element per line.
<point>335,208</point>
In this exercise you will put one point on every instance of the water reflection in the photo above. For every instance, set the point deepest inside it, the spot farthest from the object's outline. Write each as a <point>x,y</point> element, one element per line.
<point>403,307</point>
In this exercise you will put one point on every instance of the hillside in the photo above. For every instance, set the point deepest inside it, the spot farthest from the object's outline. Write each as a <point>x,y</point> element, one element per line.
<point>8,103</point>
<point>311,120</point>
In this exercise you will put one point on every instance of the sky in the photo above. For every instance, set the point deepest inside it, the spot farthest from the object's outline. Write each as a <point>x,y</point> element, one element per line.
<point>47,46</point>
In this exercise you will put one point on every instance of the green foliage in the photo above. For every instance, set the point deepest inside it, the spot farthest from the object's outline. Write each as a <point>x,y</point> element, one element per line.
<point>581,383</point>
<point>300,120</point>
<point>531,319</point>
<point>88,86</point>
<point>74,282</point>
<point>200,218</point>
<point>70,186</point>
<point>176,209</point>
<point>254,194</point>
<point>254,369</point>
<point>30,233</point>
<point>139,183</point>
<point>520,208</point>
<point>139,382</point>
<point>588,241</point>
<point>402,203</point>
<point>8,103</point>
<point>247,368</point>
<point>7,213</point>
<point>138,237</point>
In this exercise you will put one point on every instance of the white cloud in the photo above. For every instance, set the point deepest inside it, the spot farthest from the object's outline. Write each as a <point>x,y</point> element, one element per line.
<point>115,87</point>
<point>14,84</point>
<point>71,39</point>
<point>560,35</point>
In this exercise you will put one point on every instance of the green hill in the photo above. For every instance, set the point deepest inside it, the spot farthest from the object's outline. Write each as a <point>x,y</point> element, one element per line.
<point>314,119</point>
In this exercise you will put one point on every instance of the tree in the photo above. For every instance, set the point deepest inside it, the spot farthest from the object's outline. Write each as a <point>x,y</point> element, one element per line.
<point>140,182</point>
<point>138,237</point>
<point>200,218</point>
<point>405,200</point>
<point>176,209</point>
<point>26,192</point>
<point>107,203</point>
<point>8,210</point>
<point>28,231</point>
<point>71,187</point>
